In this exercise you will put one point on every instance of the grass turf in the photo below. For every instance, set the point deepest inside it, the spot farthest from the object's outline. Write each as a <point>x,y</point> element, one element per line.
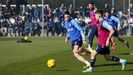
<point>31,58</point>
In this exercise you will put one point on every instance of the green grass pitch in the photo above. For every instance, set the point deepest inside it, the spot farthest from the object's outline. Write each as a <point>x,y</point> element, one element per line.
<point>31,58</point>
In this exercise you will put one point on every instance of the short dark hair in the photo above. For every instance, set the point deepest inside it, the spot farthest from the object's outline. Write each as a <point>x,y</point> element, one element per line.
<point>66,13</point>
<point>107,11</point>
<point>99,12</point>
<point>91,3</point>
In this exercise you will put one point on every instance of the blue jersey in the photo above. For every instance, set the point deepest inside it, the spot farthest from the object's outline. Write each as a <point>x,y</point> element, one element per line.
<point>74,30</point>
<point>113,21</point>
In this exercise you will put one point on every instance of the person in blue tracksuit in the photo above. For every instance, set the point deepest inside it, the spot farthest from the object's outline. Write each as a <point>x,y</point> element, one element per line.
<point>76,35</point>
<point>115,23</point>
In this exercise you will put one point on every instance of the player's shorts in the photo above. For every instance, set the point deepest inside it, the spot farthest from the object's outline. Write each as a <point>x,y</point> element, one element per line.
<point>102,50</point>
<point>77,42</point>
<point>115,33</point>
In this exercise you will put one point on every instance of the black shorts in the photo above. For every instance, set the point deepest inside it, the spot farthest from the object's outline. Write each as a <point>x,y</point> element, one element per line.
<point>102,50</point>
<point>115,33</point>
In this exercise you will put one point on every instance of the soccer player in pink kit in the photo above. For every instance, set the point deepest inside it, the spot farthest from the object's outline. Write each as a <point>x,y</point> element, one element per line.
<point>93,31</point>
<point>105,32</point>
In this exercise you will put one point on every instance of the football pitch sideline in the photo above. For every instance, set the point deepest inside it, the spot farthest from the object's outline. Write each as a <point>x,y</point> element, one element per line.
<point>31,58</point>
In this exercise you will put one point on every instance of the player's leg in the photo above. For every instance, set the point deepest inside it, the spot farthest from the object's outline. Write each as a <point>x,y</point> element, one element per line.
<point>109,57</point>
<point>112,43</point>
<point>76,47</point>
<point>120,39</point>
<point>76,52</point>
<point>84,51</point>
<point>116,59</point>
<point>93,58</point>
<point>93,32</point>
<point>48,32</point>
<point>92,62</point>
<point>91,36</point>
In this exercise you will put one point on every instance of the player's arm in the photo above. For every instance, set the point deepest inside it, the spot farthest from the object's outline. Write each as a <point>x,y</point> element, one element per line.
<point>68,36</point>
<point>116,20</point>
<point>107,26</point>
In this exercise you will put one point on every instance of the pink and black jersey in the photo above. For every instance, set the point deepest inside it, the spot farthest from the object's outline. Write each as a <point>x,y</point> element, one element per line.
<point>92,17</point>
<point>103,34</point>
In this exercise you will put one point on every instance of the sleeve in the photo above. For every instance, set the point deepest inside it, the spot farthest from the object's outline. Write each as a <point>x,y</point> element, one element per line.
<point>68,36</point>
<point>106,25</point>
<point>62,23</point>
<point>95,11</point>
<point>76,24</point>
<point>116,19</point>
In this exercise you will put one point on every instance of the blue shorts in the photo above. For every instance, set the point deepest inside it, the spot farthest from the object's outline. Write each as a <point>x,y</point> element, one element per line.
<point>77,42</point>
<point>102,50</point>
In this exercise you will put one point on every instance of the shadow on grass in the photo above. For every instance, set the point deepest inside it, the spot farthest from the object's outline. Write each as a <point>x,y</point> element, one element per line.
<point>123,53</point>
<point>112,64</point>
<point>62,70</point>
<point>129,63</point>
<point>127,70</point>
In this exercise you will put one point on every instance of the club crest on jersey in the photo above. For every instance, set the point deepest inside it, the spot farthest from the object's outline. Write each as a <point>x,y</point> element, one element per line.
<point>70,29</point>
<point>76,43</point>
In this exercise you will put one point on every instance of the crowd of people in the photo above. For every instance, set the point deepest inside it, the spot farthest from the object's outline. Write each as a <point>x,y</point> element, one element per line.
<point>28,22</point>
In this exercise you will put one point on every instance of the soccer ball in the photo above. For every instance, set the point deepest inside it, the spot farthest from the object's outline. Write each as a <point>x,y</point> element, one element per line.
<point>26,38</point>
<point>51,63</point>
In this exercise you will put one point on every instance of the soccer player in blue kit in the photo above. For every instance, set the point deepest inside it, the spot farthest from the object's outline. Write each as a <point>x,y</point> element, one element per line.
<point>115,23</point>
<point>76,35</point>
